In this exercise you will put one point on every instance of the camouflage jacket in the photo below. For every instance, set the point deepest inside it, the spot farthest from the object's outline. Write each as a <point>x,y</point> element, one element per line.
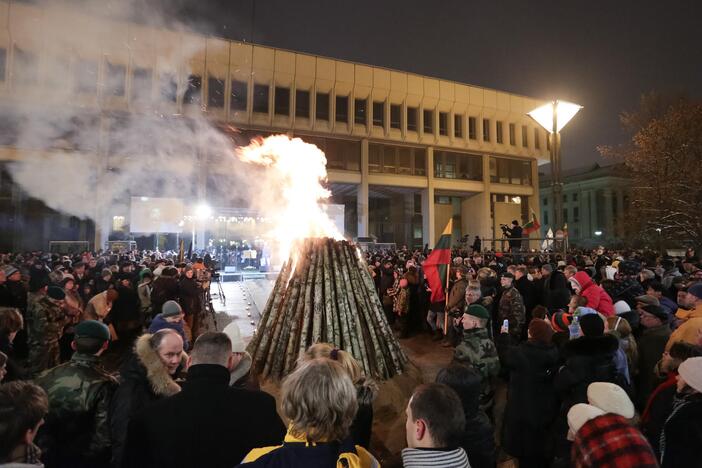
<point>511,307</point>
<point>478,351</point>
<point>79,396</point>
<point>45,322</point>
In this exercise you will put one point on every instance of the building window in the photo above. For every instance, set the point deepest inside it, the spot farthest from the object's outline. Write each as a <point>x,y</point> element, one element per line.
<point>237,100</point>
<point>302,103</point>
<point>458,126</point>
<point>390,159</point>
<point>168,87</point>
<point>472,128</point>
<point>510,171</point>
<point>25,67</point>
<point>565,198</point>
<point>116,77</point>
<point>498,132</point>
<point>546,218</point>
<point>575,197</point>
<point>342,109</point>
<point>512,134</point>
<point>565,215</point>
<point>86,77</point>
<point>395,116</point>
<point>486,129</point>
<point>322,108</point>
<point>443,123</point>
<point>3,63</point>
<point>576,214</point>
<point>141,84</point>
<point>341,154</point>
<point>379,114</point>
<point>428,121</point>
<point>360,111</point>
<point>412,119</point>
<point>452,165</point>
<point>537,142</point>
<point>215,93</point>
<point>545,201</point>
<point>525,136</point>
<point>281,101</point>
<point>260,98</point>
<point>193,90</point>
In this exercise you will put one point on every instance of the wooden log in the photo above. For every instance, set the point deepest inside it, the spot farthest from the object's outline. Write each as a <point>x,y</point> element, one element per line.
<point>277,327</point>
<point>346,301</point>
<point>288,318</point>
<point>292,352</point>
<point>306,323</point>
<point>329,309</point>
<point>318,303</point>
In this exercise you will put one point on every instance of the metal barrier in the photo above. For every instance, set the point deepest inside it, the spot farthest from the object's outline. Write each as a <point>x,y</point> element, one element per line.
<point>557,246</point>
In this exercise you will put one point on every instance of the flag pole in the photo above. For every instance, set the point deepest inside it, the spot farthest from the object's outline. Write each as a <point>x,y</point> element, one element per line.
<point>448,275</point>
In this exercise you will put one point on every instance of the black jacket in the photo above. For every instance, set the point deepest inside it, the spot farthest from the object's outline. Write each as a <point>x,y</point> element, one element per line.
<point>532,403</point>
<point>555,291</point>
<point>681,441</point>
<point>206,424</point>
<point>165,288</point>
<point>189,295</point>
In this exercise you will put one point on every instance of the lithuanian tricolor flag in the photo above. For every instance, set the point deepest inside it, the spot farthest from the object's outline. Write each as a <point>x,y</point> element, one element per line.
<point>531,226</point>
<point>436,264</point>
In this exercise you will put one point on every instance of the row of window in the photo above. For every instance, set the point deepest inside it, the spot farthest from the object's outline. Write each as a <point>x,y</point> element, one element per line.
<point>85,74</point>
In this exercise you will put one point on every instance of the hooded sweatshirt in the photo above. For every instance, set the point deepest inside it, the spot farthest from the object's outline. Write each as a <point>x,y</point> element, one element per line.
<point>597,298</point>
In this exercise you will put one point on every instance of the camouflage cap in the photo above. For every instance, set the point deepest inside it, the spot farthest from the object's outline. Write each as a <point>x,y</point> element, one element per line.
<point>92,329</point>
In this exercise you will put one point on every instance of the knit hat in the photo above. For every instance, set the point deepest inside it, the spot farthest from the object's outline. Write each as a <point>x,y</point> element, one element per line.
<point>92,329</point>
<point>476,310</point>
<point>105,272</point>
<point>540,331</point>
<point>560,321</point>
<point>591,325</point>
<point>648,300</point>
<point>171,309</point>
<point>144,272</point>
<point>9,270</point>
<point>54,292</point>
<point>656,311</point>
<point>234,334</point>
<point>508,275</point>
<point>581,413</point>
<point>691,371</point>
<point>610,398</point>
<point>695,290</point>
<point>629,268</point>
<point>621,307</point>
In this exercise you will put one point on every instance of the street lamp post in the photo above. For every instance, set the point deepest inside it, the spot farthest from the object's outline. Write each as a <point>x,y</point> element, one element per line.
<point>553,116</point>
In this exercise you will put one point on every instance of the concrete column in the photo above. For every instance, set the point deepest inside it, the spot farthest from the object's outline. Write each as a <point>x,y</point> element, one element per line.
<point>609,214</point>
<point>362,193</point>
<point>594,222</point>
<point>585,223</point>
<point>428,234</point>
<point>620,210</point>
<point>102,217</point>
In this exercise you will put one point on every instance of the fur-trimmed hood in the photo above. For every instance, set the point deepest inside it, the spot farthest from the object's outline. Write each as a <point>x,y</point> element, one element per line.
<point>367,389</point>
<point>591,345</point>
<point>160,381</point>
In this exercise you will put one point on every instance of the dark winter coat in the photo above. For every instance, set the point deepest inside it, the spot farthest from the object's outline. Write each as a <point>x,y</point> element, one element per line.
<point>681,440</point>
<point>651,345</point>
<point>529,294</point>
<point>189,296</point>
<point>362,425</point>
<point>143,380</point>
<point>658,408</point>
<point>165,288</point>
<point>14,369</point>
<point>532,403</point>
<point>210,424</point>
<point>125,314</point>
<point>626,290</point>
<point>556,293</point>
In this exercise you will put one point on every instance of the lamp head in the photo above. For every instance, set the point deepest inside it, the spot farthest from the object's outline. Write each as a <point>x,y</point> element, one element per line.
<point>564,112</point>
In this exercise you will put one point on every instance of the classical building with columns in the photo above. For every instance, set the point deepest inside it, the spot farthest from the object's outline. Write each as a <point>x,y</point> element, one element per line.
<point>405,152</point>
<point>595,199</point>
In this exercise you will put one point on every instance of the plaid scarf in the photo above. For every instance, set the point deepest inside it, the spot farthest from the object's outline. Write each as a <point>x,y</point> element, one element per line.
<point>609,441</point>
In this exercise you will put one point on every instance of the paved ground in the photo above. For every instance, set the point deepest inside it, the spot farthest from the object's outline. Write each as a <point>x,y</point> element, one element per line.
<point>244,301</point>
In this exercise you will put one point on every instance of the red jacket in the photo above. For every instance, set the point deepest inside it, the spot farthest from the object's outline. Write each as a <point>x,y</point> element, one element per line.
<point>597,298</point>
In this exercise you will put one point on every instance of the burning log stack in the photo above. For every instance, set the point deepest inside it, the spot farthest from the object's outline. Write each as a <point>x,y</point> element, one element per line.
<point>327,296</point>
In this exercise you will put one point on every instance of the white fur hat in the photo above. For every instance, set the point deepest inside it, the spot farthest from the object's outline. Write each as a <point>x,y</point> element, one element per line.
<point>580,414</point>
<point>691,372</point>
<point>234,334</point>
<point>610,398</point>
<point>621,307</point>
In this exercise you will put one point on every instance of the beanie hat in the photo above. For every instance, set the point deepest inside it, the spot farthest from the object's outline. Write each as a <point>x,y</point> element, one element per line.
<point>695,290</point>
<point>92,329</point>
<point>234,334</point>
<point>621,307</point>
<point>581,413</point>
<point>476,310</point>
<point>171,309</point>
<point>560,321</point>
<point>629,268</point>
<point>691,371</point>
<point>648,300</point>
<point>144,272</point>
<point>54,292</point>
<point>540,331</point>
<point>610,398</point>
<point>591,325</point>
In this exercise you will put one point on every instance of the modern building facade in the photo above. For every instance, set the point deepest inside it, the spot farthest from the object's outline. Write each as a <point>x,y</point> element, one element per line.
<point>405,152</point>
<point>595,199</point>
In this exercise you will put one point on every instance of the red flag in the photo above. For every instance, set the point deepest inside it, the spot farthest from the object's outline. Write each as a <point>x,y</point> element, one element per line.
<point>531,226</point>
<point>436,264</point>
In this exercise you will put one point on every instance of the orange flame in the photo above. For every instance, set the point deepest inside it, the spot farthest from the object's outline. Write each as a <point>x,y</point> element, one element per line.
<point>292,194</point>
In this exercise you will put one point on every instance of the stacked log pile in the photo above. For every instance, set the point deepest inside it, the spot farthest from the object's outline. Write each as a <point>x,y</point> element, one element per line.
<point>327,296</point>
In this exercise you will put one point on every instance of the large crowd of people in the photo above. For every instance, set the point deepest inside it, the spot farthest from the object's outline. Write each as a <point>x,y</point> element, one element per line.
<point>588,359</point>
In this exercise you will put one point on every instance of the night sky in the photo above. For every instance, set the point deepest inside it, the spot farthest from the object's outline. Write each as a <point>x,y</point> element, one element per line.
<point>599,54</point>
